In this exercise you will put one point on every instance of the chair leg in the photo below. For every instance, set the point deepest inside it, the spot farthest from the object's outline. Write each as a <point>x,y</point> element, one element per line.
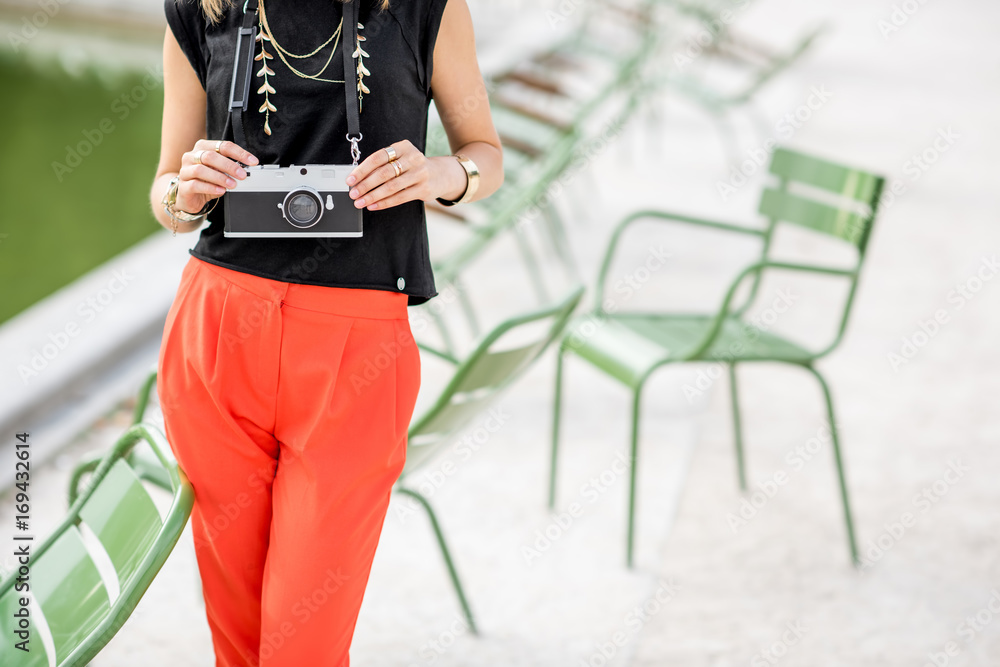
<point>595,197</point>
<point>446,340</point>
<point>556,417</point>
<point>633,467</point>
<point>534,273</point>
<point>848,521</point>
<point>737,429</point>
<point>560,242</point>
<point>470,312</point>
<point>447,556</point>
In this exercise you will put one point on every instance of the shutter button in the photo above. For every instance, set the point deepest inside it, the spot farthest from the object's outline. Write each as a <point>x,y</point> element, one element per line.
<point>400,283</point>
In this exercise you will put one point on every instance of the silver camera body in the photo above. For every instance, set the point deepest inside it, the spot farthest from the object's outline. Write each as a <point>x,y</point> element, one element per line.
<point>296,201</point>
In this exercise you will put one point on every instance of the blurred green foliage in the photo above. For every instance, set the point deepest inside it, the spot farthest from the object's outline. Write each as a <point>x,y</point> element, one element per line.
<point>77,157</point>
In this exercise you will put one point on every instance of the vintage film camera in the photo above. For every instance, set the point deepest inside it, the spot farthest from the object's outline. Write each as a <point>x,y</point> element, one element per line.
<point>296,201</point>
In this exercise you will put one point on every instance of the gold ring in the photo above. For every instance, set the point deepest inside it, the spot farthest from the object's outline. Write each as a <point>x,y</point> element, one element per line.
<point>395,165</point>
<point>197,157</point>
<point>218,146</point>
<point>391,152</point>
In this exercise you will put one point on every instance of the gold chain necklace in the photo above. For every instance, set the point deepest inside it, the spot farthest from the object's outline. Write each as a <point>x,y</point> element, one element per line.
<point>335,34</point>
<point>282,51</point>
<point>265,35</point>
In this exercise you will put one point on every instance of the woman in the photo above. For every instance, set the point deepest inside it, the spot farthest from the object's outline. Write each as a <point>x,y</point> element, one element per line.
<point>288,373</point>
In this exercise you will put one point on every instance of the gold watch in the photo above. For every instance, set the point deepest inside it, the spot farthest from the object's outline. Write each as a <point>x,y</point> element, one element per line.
<point>472,184</point>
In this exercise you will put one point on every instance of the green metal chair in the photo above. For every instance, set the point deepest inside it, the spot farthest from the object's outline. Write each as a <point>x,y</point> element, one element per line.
<point>67,586</point>
<point>477,380</point>
<point>629,346</point>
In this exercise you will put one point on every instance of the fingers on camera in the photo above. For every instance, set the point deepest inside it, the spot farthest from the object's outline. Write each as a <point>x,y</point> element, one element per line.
<point>224,165</point>
<point>236,152</point>
<point>203,180</point>
<point>206,188</point>
<point>226,149</point>
<point>210,174</point>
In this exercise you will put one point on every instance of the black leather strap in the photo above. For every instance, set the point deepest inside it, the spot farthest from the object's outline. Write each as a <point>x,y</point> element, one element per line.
<point>350,70</point>
<point>239,90</point>
<point>351,84</point>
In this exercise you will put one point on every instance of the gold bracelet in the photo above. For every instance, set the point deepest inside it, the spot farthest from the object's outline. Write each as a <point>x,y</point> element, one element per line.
<point>170,200</point>
<point>471,184</point>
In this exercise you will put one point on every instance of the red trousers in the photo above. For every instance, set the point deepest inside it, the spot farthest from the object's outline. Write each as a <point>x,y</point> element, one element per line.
<point>287,406</point>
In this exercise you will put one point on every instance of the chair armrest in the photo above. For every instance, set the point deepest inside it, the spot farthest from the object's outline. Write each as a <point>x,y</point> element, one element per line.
<point>752,270</point>
<point>663,216</point>
<point>86,465</point>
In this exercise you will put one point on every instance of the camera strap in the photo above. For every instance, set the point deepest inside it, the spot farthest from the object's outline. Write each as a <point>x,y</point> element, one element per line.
<point>351,90</point>
<point>239,91</point>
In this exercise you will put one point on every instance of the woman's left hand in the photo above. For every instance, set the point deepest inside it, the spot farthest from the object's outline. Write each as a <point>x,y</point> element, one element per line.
<point>378,183</point>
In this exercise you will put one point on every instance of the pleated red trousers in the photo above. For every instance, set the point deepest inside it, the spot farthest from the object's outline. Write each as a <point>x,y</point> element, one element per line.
<point>287,406</point>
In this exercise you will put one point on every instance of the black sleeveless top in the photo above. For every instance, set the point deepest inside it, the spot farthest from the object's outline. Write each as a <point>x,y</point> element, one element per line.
<point>309,125</point>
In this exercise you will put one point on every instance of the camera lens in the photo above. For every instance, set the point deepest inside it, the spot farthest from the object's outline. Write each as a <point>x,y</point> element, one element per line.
<point>302,207</point>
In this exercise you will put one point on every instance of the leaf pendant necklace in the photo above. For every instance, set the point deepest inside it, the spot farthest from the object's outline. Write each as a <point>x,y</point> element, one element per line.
<point>267,89</point>
<point>361,54</point>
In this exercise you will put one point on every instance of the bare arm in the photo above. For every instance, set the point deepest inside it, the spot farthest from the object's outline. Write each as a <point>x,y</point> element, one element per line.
<point>184,103</point>
<point>455,80</point>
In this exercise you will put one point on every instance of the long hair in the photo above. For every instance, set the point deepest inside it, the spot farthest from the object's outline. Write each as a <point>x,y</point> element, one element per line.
<point>214,9</point>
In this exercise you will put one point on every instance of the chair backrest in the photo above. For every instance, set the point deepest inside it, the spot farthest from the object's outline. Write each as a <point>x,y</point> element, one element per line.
<point>835,200</point>
<point>484,373</point>
<point>824,197</point>
<point>81,608</point>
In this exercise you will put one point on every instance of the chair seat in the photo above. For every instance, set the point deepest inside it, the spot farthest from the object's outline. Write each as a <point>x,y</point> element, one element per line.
<point>629,346</point>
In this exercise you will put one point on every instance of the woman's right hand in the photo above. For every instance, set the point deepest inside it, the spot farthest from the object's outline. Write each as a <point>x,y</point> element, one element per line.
<point>217,172</point>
